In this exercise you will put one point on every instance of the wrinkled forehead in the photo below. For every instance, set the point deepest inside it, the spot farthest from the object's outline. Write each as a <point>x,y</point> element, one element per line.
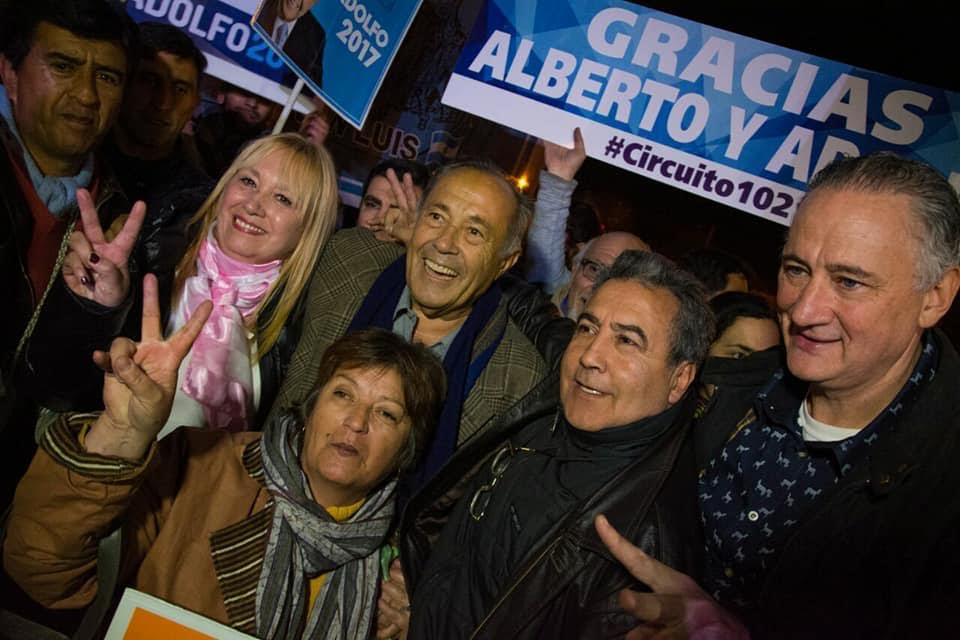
<point>476,192</point>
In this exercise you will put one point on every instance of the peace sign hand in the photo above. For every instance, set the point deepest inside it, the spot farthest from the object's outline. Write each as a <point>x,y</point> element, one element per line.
<point>94,268</point>
<point>140,381</point>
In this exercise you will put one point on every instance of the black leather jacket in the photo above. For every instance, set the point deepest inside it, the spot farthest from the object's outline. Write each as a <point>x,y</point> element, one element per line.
<point>568,586</point>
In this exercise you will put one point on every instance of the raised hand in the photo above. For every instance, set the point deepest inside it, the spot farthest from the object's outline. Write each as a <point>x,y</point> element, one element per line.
<point>94,268</point>
<point>140,380</point>
<point>678,608</point>
<point>563,162</point>
<point>315,128</point>
<point>393,608</point>
<point>401,217</point>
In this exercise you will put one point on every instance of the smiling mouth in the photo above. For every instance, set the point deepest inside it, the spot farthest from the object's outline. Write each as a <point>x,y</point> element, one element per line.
<point>246,227</point>
<point>438,269</point>
<point>590,391</point>
<point>84,121</point>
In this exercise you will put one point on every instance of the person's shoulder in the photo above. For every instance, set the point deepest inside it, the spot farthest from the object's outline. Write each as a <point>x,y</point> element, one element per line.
<point>359,246</point>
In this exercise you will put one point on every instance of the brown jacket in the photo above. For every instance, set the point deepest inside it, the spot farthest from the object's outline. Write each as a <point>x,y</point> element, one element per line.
<point>193,511</point>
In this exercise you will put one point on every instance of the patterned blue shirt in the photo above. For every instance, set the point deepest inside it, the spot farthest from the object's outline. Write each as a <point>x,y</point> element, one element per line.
<point>766,477</point>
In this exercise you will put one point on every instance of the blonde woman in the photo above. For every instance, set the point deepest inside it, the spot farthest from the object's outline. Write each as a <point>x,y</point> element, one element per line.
<point>253,246</point>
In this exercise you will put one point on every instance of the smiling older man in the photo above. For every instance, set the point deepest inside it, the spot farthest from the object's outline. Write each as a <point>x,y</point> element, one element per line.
<point>829,482</point>
<point>501,544</point>
<point>442,293</point>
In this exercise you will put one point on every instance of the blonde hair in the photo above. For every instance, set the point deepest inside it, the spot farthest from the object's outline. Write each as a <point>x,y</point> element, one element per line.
<point>310,172</point>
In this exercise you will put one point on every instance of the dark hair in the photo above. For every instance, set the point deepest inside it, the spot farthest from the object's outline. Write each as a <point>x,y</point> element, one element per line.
<point>730,305</point>
<point>712,266</point>
<point>421,374</point>
<point>157,37</point>
<point>693,327</point>
<point>936,204</point>
<point>583,223</point>
<point>520,216</point>
<point>418,172</point>
<point>90,19</point>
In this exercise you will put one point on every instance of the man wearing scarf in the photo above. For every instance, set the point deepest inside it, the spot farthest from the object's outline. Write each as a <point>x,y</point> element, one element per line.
<point>443,293</point>
<point>63,67</point>
<point>501,544</point>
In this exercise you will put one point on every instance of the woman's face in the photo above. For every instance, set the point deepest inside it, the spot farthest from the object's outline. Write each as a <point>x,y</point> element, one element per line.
<point>745,336</point>
<point>259,219</point>
<point>354,435</point>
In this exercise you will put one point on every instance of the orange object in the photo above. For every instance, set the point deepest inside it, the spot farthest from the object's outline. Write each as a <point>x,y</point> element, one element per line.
<point>146,625</point>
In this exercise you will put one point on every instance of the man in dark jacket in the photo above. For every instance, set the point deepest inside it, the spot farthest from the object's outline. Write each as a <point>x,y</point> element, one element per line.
<point>146,149</point>
<point>829,477</point>
<point>63,66</point>
<point>502,543</point>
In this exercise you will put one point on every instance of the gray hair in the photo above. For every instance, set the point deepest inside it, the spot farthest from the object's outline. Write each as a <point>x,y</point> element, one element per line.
<point>693,327</point>
<point>522,213</point>
<point>936,206</point>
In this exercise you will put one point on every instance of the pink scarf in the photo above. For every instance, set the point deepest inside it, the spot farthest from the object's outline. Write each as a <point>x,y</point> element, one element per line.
<point>219,374</point>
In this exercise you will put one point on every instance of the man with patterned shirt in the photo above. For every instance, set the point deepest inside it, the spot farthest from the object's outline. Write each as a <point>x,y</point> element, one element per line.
<point>828,472</point>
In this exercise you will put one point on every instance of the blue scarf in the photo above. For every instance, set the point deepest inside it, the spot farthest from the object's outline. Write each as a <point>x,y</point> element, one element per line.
<point>377,310</point>
<point>59,194</point>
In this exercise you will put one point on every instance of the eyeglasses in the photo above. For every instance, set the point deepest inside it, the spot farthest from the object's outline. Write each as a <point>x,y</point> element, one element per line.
<point>481,498</point>
<point>591,269</point>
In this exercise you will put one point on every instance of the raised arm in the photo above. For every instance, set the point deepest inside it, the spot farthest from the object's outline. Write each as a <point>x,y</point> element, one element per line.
<point>546,240</point>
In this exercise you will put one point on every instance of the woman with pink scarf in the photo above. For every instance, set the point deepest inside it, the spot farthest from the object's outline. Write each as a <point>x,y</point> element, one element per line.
<point>261,231</point>
<point>256,240</point>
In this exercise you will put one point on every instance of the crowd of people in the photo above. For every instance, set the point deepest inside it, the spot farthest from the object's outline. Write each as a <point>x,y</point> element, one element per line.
<point>469,415</point>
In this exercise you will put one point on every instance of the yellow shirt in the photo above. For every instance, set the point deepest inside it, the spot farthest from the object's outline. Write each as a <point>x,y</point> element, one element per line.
<point>339,514</point>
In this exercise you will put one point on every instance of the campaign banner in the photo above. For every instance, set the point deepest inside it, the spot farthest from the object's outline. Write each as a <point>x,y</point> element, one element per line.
<point>342,50</point>
<point>733,119</point>
<point>235,52</point>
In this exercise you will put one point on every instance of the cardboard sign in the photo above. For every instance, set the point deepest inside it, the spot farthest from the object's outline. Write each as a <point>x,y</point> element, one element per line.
<point>734,119</point>
<point>341,49</point>
<point>235,52</point>
<point>141,616</point>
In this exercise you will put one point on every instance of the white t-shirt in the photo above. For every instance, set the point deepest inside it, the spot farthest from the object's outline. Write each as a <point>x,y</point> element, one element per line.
<point>816,431</point>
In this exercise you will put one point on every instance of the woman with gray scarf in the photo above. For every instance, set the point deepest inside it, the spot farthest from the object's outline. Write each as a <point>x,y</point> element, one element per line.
<point>275,533</point>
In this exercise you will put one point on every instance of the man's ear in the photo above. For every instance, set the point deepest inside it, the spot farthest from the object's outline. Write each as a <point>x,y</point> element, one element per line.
<point>937,299</point>
<point>681,379</point>
<point>9,77</point>
<point>508,262</point>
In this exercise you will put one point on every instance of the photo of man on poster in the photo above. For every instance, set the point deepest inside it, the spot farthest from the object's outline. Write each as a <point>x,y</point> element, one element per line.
<point>297,33</point>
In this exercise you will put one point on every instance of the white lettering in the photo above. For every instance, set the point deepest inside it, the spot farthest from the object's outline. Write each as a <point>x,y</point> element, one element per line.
<point>599,26</point>
<point>552,80</point>
<point>584,82</point>
<point>800,88</point>
<point>752,79</point>
<point>698,122</point>
<point>714,60</point>
<point>895,108</point>
<point>853,110</point>
<point>516,76</point>
<point>742,130</point>
<point>659,93</point>
<point>794,152</point>
<point>666,49</point>
<point>621,89</point>
<point>494,54</point>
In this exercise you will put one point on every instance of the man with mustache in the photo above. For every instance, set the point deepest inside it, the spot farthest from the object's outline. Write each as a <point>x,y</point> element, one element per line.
<point>443,293</point>
<point>64,66</point>
<point>502,543</point>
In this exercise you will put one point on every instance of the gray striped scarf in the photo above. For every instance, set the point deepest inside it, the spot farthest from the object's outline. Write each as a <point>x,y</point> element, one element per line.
<point>306,541</point>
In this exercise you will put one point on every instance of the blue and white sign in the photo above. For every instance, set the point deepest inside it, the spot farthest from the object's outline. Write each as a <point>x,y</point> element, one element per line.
<point>235,52</point>
<point>740,121</point>
<point>342,49</point>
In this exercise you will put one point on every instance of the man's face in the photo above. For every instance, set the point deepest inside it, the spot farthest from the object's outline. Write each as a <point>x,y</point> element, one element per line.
<point>616,369</point>
<point>599,255</point>
<point>457,249</point>
<point>376,202</point>
<point>159,101</point>
<point>252,110</point>
<point>849,312</point>
<point>290,10</point>
<point>65,95</point>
